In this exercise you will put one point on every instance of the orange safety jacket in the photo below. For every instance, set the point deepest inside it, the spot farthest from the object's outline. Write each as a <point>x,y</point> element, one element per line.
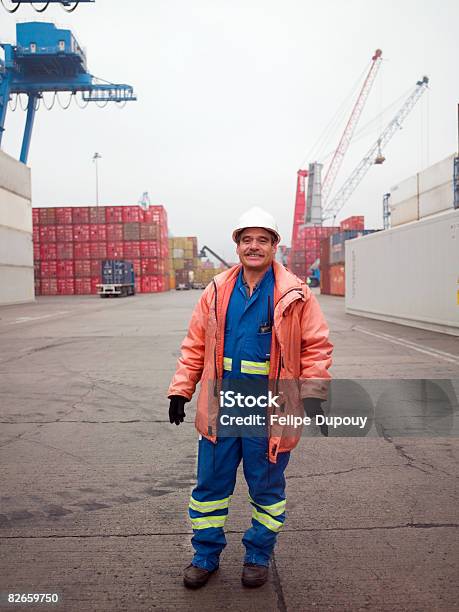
<point>299,362</point>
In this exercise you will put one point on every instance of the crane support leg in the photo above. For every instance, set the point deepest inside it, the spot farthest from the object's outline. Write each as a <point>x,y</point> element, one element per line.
<point>4,98</point>
<point>28,128</point>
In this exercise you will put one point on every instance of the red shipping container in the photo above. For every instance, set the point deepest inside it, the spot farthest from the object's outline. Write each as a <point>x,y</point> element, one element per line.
<point>95,267</point>
<point>115,250</point>
<point>131,249</point>
<point>131,214</point>
<point>65,286</point>
<point>80,215</point>
<point>97,214</point>
<point>151,248</point>
<point>82,286</point>
<point>64,250</point>
<point>97,232</point>
<point>150,231</point>
<point>37,284</point>
<point>64,233</point>
<point>49,286</point>
<point>47,251</point>
<point>35,216</point>
<point>82,268</point>
<point>138,285</point>
<point>47,216</point>
<point>337,279</point>
<point>114,232</point>
<point>47,233</point>
<point>145,284</point>
<point>95,280</point>
<point>136,266</point>
<point>113,214</point>
<point>151,266</point>
<point>63,215</point>
<point>81,250</point>
<point>48,269</point>
<point>98,250</point>
<point>36,250</point>
<point>64,269</point>
<point>36,233</point>
<point>81,232</point>
<point>36,269</point>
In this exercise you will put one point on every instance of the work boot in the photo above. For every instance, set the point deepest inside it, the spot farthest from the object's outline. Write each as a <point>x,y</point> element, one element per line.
<point>254,575</point>
<point>196,577</point>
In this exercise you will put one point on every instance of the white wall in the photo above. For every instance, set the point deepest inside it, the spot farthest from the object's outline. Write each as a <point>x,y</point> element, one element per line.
<point>16,248</point>
<point>408,274</point>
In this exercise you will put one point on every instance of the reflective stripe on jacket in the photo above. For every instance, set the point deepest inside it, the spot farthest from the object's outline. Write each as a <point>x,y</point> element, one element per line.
<point>300,352</point>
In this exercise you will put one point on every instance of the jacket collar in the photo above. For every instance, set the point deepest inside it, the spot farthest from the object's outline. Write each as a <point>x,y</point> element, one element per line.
<point>284,281</point>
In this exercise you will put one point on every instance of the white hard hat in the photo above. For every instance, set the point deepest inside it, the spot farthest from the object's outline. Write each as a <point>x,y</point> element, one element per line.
<point>256,217</point>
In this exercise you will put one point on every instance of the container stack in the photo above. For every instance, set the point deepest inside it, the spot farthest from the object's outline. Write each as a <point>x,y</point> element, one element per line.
<point>71,242</point>
<point>183,260</point>
<point>425,194</point>
<point>307,249</point>
<point>332,257</point>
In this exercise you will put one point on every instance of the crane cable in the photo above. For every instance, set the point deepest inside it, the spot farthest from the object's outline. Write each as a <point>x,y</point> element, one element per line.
<point>326,135</point>
<point>10,10</point>
<point>41,10</point>
<point>366,129</point>
<point>83,105</point>
<point>64,106</point>
<point>48,108</point>
<point>72,8</point>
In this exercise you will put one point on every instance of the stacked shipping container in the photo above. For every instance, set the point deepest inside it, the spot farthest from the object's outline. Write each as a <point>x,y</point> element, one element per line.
<point>306,248</point>
<point>183,260</point>
<point>71,242</point>
<point>332,256</point>
<point>426,193</point>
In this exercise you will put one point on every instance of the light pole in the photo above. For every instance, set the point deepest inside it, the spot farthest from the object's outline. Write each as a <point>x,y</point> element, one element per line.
<point>95,159</point>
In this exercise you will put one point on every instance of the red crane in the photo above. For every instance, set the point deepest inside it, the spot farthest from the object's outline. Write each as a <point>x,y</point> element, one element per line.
<point>338,156</point>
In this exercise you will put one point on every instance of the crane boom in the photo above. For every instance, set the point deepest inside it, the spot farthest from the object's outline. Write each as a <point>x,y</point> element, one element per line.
<point>357,175</point>
<point>343,145</point>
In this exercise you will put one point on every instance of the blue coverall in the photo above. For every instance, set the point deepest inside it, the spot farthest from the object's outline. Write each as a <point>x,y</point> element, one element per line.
<point>248,332</point>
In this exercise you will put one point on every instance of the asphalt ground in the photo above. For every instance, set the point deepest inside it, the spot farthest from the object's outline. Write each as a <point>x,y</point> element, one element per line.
<point>95,482</point>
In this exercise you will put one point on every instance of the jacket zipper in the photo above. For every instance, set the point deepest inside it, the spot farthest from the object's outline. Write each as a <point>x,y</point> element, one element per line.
<point>215,352</point>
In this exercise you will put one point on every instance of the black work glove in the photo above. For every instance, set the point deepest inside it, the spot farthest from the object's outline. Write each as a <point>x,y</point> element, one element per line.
<point>177,408</point>
<point>313,407</point>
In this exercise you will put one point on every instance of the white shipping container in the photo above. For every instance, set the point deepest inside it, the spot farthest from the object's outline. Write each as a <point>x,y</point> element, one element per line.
<point>16,247</point>
<point>405,190</point>
<point>437,199</point>
<point>408,274</point>
<point>436,175</point>
<point>404,212</point>
<point>17,285</point>
<point>15,211</point>
<point>14,177</point>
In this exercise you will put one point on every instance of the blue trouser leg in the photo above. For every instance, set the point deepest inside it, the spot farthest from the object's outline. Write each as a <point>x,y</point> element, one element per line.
<point>266,484</point>
<point>217,468</point>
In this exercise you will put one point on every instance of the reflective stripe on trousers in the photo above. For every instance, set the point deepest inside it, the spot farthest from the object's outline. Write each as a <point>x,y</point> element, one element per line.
<point>209,502</point>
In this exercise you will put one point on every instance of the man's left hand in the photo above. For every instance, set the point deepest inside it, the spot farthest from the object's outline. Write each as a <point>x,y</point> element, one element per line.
<point>313,408</point>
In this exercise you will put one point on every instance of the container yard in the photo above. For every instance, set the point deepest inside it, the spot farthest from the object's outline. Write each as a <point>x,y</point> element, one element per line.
<point>348,286</point>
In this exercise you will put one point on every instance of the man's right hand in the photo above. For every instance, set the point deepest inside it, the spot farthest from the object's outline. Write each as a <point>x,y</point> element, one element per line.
<point>177,408</point>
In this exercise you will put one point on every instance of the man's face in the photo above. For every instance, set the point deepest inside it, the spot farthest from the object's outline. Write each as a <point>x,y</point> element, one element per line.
<point>255,248</point>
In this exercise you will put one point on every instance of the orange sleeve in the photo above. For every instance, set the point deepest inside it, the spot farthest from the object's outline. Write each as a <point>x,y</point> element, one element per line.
<point>316,350</point>
<point>190,364</point>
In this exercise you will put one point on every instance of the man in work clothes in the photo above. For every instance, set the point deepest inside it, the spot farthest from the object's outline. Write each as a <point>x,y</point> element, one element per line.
<point>255,322</point>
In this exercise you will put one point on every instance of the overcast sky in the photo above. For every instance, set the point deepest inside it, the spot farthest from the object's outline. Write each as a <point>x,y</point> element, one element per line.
<point>232,94</point>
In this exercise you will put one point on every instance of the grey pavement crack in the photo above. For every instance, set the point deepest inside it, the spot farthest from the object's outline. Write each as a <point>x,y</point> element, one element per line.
<point>234,531</point>
<point>281,604</point>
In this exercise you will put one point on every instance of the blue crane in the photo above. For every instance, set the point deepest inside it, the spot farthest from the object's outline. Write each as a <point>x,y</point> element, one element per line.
<point>49,59</point>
